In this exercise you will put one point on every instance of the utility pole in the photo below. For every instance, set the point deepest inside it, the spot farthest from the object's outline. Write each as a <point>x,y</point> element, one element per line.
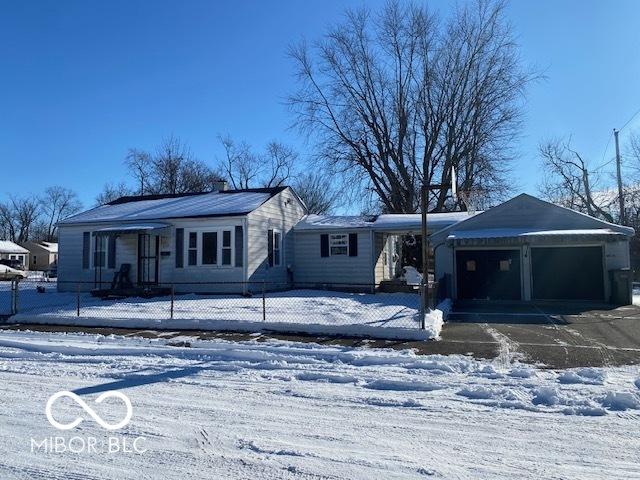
<point>424,193</point>
<point>619,173</point>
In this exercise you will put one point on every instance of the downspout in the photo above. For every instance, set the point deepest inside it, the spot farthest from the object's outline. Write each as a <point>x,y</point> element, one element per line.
<point>245,254</point>
<point>373,260</point>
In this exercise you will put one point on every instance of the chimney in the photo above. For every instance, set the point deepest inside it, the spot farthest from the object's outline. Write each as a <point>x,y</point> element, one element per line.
<point>220,186</point>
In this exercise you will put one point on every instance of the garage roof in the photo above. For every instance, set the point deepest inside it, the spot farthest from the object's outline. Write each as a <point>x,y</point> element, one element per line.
<point>526,216</point>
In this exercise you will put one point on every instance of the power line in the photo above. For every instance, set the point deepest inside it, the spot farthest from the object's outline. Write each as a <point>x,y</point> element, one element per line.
<point>630,120</point>
<point>604,154</point>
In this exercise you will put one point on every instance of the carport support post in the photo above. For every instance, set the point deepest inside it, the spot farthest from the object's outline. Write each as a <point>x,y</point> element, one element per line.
<point>424,287</point>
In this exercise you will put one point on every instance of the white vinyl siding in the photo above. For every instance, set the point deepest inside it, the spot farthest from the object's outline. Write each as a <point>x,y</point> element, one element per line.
<point>313,269</point>
<point>280,213</point>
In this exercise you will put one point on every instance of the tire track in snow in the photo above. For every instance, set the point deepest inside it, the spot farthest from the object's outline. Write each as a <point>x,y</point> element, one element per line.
<point>507,348</point>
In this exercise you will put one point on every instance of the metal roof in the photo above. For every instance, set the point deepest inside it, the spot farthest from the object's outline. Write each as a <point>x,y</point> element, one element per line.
<point>155,207</point>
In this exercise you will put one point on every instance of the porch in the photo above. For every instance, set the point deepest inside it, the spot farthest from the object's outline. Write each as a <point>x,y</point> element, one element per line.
<point>126,260</point>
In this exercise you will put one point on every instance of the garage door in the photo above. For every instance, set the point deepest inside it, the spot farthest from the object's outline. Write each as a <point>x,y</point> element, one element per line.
<point>488,274</point>
<point>567,273</point>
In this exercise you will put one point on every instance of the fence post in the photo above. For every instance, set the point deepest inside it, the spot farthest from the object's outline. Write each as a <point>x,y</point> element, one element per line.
<point>173,296</point>
<point>264,301</point>
<point>14,297</point>
<point>423,305</point>
<point>78,300</point>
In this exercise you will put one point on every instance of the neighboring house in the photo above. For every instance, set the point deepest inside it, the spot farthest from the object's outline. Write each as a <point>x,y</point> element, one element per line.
<point>43,255</point>
<point>13,251</point>
<point>203,242</point>
<point>528,249</point>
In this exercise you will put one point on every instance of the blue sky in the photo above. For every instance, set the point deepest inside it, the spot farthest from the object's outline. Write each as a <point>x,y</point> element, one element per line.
<point>82,81</point>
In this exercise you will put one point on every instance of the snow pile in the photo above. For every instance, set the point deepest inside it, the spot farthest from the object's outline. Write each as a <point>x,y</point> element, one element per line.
<point>592,376</point>
<point>434,320</point>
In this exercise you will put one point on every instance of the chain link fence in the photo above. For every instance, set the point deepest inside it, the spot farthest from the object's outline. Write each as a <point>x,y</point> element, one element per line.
<point>327,308</point>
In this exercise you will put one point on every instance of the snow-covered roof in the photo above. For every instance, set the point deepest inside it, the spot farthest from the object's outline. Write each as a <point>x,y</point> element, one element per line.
<point>387,222</point>
<point>9,247</point>
<point>213,204</point>
<point>543,217</point>
<point>527,232</point>
<point>50,246</point>
<point>333,222</point>
<point>413,221</point>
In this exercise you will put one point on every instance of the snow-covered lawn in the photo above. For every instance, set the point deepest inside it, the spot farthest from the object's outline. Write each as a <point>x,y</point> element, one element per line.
<point>311,311</point>
<point>288,410</point>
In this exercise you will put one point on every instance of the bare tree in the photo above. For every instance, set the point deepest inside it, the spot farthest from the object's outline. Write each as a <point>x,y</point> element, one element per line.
<point>18,217</point>
<point>111,192</point>
<point>398,96</point>
<point>56,204</point>
<point>280,162</point>
<point>240,166</point>
<point>140,165</point>
<point>246,169</point>
<point>317,191</point>
<point>568,182</point>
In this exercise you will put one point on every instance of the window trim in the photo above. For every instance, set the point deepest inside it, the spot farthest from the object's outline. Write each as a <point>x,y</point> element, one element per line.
<point>331,245</point>
<point>219,231</point>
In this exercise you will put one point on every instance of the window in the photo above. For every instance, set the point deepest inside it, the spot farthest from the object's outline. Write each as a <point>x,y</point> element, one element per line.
<point>100,252</point>
<point>339,244</point>
<point>226,247</point>
<point>210,248</point>
<point>277,248</point>
<point>193,249</point>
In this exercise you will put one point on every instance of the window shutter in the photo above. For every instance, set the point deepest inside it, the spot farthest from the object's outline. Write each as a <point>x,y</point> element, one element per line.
<point>239,246</point>
<point>112,252</point>
<point>353,244</point>
<point>179,247</point>
<point>324,245</point>
<point>270,246</point>
<point>86,249</point>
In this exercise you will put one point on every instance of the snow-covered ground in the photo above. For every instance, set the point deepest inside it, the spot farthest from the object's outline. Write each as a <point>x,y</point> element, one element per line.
<point>266,410</point>
<point>381,315</point>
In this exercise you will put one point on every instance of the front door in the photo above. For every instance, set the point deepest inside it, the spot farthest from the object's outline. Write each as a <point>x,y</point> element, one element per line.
<point>488,274</point>
<point>148,259</point>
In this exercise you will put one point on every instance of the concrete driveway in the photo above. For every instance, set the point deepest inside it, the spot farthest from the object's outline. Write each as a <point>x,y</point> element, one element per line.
<point>558,335</point>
